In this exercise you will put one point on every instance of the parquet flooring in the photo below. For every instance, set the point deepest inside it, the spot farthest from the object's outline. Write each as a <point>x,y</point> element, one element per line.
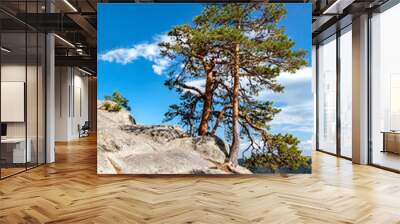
<point>10,171</point>
<point>70,191</point>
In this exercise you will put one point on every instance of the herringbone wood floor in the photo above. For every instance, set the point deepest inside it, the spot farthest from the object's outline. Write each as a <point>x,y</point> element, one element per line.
<point>69,191</point>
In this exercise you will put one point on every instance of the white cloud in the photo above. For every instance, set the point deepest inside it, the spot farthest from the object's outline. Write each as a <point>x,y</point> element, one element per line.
<point>148,51</point>
<point>303,75</point>
<point>297,105</point>
<point>306,146</point>
<point>160,64</point>
<point>198,83</point>
<point>296,117</point>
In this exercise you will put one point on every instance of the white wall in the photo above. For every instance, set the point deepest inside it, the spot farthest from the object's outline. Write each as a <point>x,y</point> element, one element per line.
<point>79,110</point>
<point>14,73</point>
<point>71,102</point>
<point>17,73</point>
<point>33,126</point>
<point>61,103</point>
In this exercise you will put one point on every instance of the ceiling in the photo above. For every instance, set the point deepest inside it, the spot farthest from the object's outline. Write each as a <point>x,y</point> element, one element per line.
<point>329,15</point>
<point>75,23</point>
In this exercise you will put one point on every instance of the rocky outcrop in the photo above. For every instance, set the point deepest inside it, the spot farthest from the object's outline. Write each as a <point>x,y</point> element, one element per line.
<point>127,148</point>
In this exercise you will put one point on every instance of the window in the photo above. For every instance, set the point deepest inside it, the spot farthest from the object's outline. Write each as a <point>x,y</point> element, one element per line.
<point>22,91</point>
<point>327,95</point>
<point>385,89</point>
<point>346,92</point>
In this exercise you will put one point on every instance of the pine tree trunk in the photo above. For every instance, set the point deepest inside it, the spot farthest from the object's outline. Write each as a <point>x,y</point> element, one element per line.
<point>208,96</point>
<point>234,150</point>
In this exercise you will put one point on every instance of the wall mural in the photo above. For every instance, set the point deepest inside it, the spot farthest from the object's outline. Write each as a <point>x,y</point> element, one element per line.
<point>204,88</point>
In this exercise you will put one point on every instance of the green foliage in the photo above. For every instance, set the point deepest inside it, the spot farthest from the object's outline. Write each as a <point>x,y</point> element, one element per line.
<point>279,152</point>
<point>258,113</point>
<point>111,107</point>
<point>107,106</point>
<point>187,112</point>
<point>121,102</point>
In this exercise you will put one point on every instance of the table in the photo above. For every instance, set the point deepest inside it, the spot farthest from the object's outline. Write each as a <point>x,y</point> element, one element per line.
<point>15,148</point>
<point>391,141</point>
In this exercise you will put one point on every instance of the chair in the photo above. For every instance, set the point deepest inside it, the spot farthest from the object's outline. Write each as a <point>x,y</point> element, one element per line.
<point>84,130</point>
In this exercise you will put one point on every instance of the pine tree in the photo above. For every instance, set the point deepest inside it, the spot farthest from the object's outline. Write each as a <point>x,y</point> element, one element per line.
<point>194,48</point>
<point>257,51</point>
<point>245,51</point>
<point>120,100</point>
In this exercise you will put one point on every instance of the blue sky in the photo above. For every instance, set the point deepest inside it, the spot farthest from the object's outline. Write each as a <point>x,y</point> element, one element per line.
<point>137,73</point>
